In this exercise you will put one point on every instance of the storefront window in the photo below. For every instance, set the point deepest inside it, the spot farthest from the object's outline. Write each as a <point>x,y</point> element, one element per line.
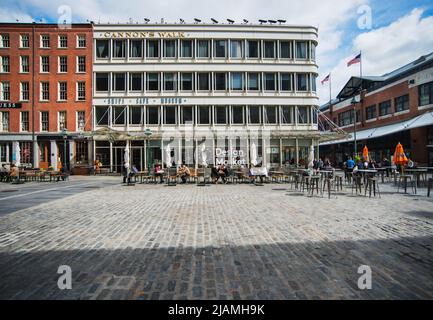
<point>81,151</point>
<point>273,152</point>
<point>26,152</point>
<point>101,116</point>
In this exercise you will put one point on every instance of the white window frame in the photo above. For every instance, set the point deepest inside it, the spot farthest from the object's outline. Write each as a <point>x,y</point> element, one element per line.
<point>2,35</point>
<point>22,90</point>
<point>2,93</point>
<point>78,64</point>
<point>41,64</point>
<point>21,64</point>
<point>42,41</point>
<point>8,123</point>
<point>58,120</point>
<point>60,39</point>
<point>59,93</point>
<point>2,69</point>
<point>60,64</point>
<point>41,122</point>
<point>21,121</point>
<point>77,122</point>
<point>41,95</point>
<point>78,90</point>
<point>78,41</point>
<point>21,40</point>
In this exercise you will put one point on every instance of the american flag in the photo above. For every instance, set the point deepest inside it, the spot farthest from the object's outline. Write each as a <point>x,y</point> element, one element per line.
<point>355,60</point>
<point>326,79</point>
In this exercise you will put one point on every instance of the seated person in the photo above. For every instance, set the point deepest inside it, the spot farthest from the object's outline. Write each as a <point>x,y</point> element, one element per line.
<point>14,173</point>
<point>222,173</point>
<point>159,173</point>
<point>183,172</point>
<point>214,174</point>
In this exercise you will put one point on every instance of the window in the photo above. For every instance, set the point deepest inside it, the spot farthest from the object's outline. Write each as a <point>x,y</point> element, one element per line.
<point>270,82</point>
<point>24,91</point>
<point>119,80</point>
<point>63,92</point>
<point>5,121</point>
<point>102,82</point>
<point>81,152</point>
<point>384,108</point>
<point>81,64</point>
<point>425,94</point>
<point>81,120</point>
<point>24,121</point>
<point>5,91</point>
<point>170,114</point>
<point>170,82</point>
<point>135,115</point>
<point>204,114</point>
<point>187,81</point>
<point>5,64</point>
<point>45,64</point>
<point>81,91</point>
<point>63,41</point>
<point>220,48</point>
<point>63,64</point>
<point>118,115</point>
<point>313,82</point>
<point>285,49</point>
<point>62,120</point>
<point>301,50</point>
<point>153,81</point>
<point>255,114</point>
<point>203,81</point>
<point>238,114</point>
<point>119,48</point>
<point>303,114</point>
<point>220,81</point>
<point>402,103</point>
<point>346,118</point>
<point>186,48</point>
<point>286,82</point>
<point>45,41</point>
<point>102,49</point>
<point>253,48</point>
<point>203,49</point>
<point>236,49</point>
<point>24,64</point>
<point>45,121</point>
<point>187,115</point>
<point>271,114</point>
<point>237,81</point>
<point>24,41</point>
<point>270,49</point>
<point>253,81</point>
<point>152,115</point>
<point>370,112</point>
<point>101,116</point>
<point>286,114</point>
<point>45,91</point>
<point>221,115</point>
<point>153,49</point>
<point>81,41</point>
<point>170,48</point>
<point>4,40</point>
<point>136,48</point>
<point>136,81</point>
<point>302,82</point>
<point>313,51</point>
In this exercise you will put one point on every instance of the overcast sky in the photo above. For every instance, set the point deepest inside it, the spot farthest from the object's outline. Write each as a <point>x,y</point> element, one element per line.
<point>400,30</point>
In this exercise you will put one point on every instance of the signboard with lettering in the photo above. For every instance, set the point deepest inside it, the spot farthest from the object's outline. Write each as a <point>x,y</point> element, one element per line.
<point>143,34</point>
<point>10,105</point>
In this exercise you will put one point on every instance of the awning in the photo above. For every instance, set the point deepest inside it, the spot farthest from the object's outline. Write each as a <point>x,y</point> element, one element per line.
<point>423,120</point>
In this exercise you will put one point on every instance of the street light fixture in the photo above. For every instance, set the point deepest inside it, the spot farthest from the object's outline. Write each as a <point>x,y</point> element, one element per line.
<point>354,102</point>
<point>148,133</point>
<point>65,139</point>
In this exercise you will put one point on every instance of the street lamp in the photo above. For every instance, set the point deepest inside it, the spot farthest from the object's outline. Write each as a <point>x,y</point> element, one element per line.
<point>65,139</point>
<point>354,102</point>
<point>148,133</point>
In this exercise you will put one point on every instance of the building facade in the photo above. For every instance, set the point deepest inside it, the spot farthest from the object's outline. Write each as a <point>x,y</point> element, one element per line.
<point>204,94</point>
<point>395,107</point>
<point>45,88</point>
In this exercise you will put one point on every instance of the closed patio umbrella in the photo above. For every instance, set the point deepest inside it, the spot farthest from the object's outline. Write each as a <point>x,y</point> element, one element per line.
<point>311,158</point>
<point>400,158</point>
<point>365,153</point>
<point>168,156</point>
<point>253,154</point>
<point>126,157</point>
<point>203,155</point>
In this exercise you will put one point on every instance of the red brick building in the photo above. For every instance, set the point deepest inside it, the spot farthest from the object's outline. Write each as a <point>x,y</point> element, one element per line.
<point>395,107</point>
<point>45,87</point>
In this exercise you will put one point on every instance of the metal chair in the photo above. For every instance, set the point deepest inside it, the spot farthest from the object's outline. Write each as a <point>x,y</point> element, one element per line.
<point>172,177</point>
<point>405,178</point>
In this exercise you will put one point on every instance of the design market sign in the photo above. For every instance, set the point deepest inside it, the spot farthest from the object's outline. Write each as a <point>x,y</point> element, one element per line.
<point>10,105</point>
<point>238,157</point>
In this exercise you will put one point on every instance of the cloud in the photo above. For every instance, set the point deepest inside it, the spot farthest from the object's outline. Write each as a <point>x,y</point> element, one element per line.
<point>384,50</point>
<point>7,15</point>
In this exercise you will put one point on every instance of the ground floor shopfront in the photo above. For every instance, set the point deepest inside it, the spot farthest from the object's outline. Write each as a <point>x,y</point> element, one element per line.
<point>46,151</point>
<point>417,143</point>
<point>271,151</point>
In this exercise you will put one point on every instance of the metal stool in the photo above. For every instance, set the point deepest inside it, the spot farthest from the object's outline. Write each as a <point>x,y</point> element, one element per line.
<point>314,184</point>
<point>357,183</point>
<point>330,185</point>
<point>372,185</point>
<point>429,186</point>
<point>405,178</point>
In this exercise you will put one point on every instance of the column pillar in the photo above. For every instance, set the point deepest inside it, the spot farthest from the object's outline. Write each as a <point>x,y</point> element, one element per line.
<point>15,150</point>
<point>71,154</point>
<point>54,154</point>
<point>35,154</point>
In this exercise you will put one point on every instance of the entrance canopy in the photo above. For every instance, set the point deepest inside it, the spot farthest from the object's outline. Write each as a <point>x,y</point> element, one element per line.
<point>423,120</point>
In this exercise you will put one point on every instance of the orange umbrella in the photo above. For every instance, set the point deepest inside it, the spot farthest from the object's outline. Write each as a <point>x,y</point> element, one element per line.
<point>399,156</point>
<point>365,153</point>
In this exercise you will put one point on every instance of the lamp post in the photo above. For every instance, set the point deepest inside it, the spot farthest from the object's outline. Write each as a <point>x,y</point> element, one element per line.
<point>148,133</point>
<point>65,139</point>
<point>354,102</point>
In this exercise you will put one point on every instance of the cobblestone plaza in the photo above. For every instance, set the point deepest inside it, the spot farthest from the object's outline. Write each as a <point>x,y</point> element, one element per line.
<point>216,242</point>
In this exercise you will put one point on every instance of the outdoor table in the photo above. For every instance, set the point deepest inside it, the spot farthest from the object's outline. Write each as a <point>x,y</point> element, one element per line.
<point>367,172</point>
<point>259,172</point>
<point>418,173</point>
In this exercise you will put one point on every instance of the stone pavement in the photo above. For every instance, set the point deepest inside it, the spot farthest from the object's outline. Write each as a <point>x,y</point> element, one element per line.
<point>217,242</point>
